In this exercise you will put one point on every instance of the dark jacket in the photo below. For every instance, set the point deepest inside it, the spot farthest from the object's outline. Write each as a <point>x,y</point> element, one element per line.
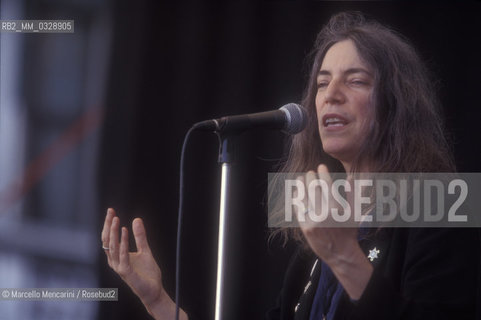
<point>420,273</point>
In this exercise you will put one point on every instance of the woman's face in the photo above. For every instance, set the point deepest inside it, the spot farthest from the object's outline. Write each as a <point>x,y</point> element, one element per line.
<point>344,101</point>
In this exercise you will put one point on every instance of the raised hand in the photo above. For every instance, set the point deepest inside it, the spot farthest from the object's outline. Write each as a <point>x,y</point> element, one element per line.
<point>138,269</point>
<point>336,246</point>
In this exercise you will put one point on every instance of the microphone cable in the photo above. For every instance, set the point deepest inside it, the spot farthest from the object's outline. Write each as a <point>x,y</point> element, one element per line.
<point>179,221</point>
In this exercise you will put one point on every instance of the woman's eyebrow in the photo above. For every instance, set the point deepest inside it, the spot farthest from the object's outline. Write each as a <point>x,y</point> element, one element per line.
<point>357,70</point>
<point>345,72</point>
<point>323,73</point>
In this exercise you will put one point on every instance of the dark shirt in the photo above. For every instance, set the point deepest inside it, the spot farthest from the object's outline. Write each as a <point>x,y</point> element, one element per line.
<point>421,273</point>
<point>327,296</point>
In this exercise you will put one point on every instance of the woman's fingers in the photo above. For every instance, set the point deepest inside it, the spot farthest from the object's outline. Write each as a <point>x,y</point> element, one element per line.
<point>303,216</point>
<point>118,251</point>
<point>105,236</point>
<point>140,235</point>
<point>320,206</point>
<point>300,212</point>
<point>124,263</point>
<point>311,205</point>
<point>316,202</point>
<point>114,243</point>
<point>324,173</point>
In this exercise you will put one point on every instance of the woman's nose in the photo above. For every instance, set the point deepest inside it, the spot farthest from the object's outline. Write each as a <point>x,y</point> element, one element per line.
<point>333,93</point>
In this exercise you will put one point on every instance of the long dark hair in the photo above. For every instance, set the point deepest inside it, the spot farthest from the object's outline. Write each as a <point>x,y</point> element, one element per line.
<point>407,134</point>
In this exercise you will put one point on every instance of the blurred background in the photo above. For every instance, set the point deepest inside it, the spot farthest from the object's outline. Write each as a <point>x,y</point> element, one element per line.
<point>96,119</point>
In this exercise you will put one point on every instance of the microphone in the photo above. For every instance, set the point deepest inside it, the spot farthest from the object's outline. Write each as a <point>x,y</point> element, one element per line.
<point>290,118</point>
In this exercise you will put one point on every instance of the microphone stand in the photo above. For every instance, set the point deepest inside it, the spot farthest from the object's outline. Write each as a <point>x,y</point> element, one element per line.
<point>291,118</point>
<point>226,158</point>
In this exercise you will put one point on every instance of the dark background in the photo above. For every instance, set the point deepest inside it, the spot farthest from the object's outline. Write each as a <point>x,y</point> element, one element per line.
<point>176,64</point>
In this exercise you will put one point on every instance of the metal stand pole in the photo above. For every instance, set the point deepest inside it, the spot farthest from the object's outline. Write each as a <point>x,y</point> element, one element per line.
<point>226,155</point>
<point>223,217</point>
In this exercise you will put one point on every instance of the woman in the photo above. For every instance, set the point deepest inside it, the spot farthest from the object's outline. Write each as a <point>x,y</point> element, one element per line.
<point>371,108</point>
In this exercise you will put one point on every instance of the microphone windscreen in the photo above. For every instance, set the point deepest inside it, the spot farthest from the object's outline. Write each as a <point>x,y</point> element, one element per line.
<point>296,118</point>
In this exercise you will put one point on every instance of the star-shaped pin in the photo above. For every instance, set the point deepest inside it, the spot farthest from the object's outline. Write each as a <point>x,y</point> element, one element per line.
<point>373,254</point>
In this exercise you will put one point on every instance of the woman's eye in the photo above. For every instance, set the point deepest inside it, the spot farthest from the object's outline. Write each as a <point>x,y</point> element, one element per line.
<point>358,82</point>
<point>322,85</point>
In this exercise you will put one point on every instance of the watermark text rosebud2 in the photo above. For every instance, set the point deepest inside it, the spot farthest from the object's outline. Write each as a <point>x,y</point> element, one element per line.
<point>375,200</point>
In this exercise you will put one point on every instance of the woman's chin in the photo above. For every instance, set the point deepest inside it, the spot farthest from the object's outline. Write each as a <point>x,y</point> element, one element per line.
<point>341,153</point>
<point>336,151</point>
